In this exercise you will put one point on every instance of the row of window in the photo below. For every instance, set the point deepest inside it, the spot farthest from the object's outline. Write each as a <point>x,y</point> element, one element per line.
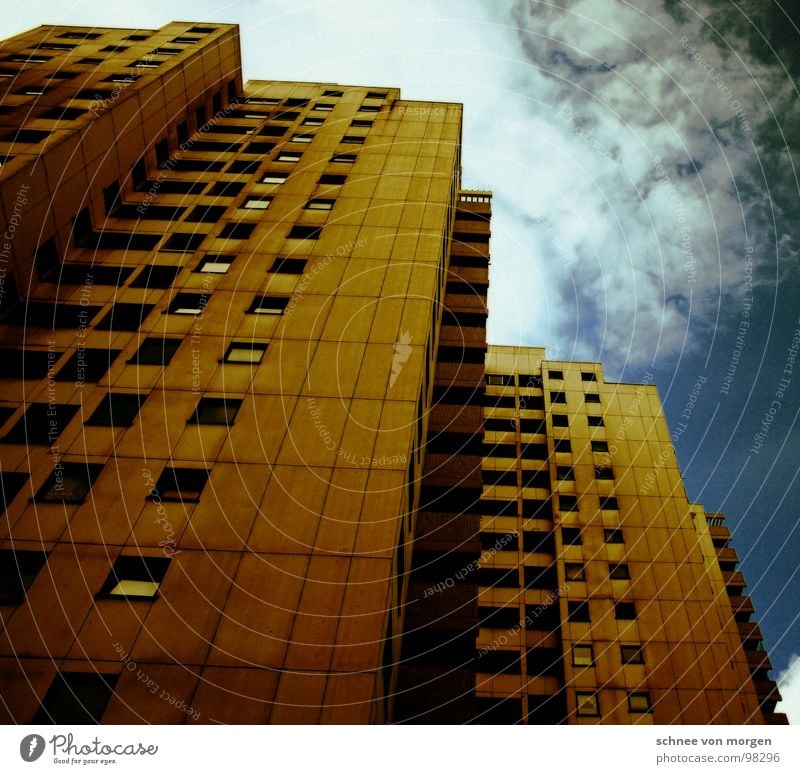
<point>588,704</point>
<point>533,381</point>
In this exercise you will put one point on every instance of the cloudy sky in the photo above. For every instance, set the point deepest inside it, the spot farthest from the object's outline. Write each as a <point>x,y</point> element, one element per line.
<point>643,163</point>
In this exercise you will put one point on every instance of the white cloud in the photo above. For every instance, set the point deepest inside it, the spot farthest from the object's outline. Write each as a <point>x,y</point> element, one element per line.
<point>789,686</point>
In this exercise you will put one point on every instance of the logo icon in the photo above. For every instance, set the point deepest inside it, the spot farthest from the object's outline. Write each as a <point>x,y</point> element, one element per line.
<point>31,747</point>
<point>402,351</point>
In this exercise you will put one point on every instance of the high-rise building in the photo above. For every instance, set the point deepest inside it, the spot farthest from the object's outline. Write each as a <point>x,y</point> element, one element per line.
<point>255,464</point>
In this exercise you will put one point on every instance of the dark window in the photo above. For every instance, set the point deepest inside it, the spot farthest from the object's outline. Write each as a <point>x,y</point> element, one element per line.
<point>135,577</point>
<point>588,376</point>
<point>542,617</point>
<point>631,654</point>
<point>79,35</point>
<point>556,374</point>
<point>369,108</point>
<point>268,305</point>
<point>587,704</point>
<point>537,542</point>
<point>116,410</point>
<point>200,116</point>
<point>242,167</point>
<point>125,317</point>
<point>560,420</point>
<point>574,572</point>
<point>195,165</point>
<point>87,365</point>
<point>536,509</point>
<point>156,276</point>
<point>558,397</point>
<point>565,473</point>
<point>332,93</point>
<point>613,536</point>
<point>216,411</point>
<point>216,99</point>
<point>296,102</point>
<point>499,541</point>
<point>592,397</point>
<point>225,189</point>
<point>353,139</point>
<point>361,122</point>
<point>540,577</point>
<point>41,424</point>
<point>625,611</point>
<point>595,421</point>
<point>181,484</point>
<point>499,617</point>
<point>536,478</point>
<point>18,570</point>
<point>204,213</point>
<point>376,95</point>
<point>237,230</point>
<point>578,612</point>
<point>498,662</point>
<point>609,504</point>
<point>562,445</point>
<point>183,132</point>
<point>304,232</point>
<point>25,135</point>
<point>183,242</point>
<point>500,477</point>
<point>162,153</point>
<point>619,572</point>
<point>245,352</point>
<point>571,536</point>
<point>599,446</point>
<point>500,578</point>
<point>27,363</point>
<point>76,698</point>
<point>155,351</point>
<point>603,473</point>
<point>567,503</point>
<point>272,131</point>
<point>70,482</point>
<point>63,113</point>
<point>10,486</point>
<point>188,303</point>
<point>288,266</point>
<point>265,147</point>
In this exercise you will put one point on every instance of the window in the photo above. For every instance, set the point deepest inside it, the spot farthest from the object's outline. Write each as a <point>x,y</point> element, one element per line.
<point>499,380</point>
<point>41,424</point>
<point>215,264</point>
<point>288,266</point>
<point>376,95</point>
<point>155,351</point>
<point>323,106</point>
<point>595,421</point>
<point>262,101</point>
<point>183,485</point>
<point>571,536</point>
<point>560,420</point>
<point>361,122</point>
<point>237,230</point>
<point>117,409</point>
<point>62,114</point>
<point>304,232</point>
<point>10,486</point>
<point>599,446</point>
<point>242,167</point>
<point>619,572</point>
<point>332,179</point>
<point>69,483</point>
<point>275,178</point>
<point>77,698</point>
<point>225,189</point>
<point>320,204</point>
<point>603,473</point>
<point>631,654</point>
<point>32,136</point>
<point>216,411</point>
<point>141,64</point>
<point>286,156</point>
<point>304,138</point>
<point>332,93</point>
<point>582,655</point>
<point>556,374</point>
<point>268,305</point>
<point>578,612</point>
<point>343,158</point>
<point>32,91</point>
<point>265,147</point>
<point>353,139</point>
<point>558,397</point>
<point>588,376</point>
<point>369,108</point>
<point>295,102</point>
<point>204,213</point>
<point>256,202</point>
<point>567,503</point>
<point>587,705</point>
<point>18,570</point>
<point>311,121</point>
<point>245,352</point>
<point>87,365</point>
<point>183,242</point>
<point>592,397</point>
<point>639,702</point>
<point>625,611</point>
<point>135,577</point>
<point>609,504</point>
<point>156,276</point>
<point>200,116</point>
<point>613,535</point>
<point>565,473</point>
<point>188,303</point>
<point>562,445</point>
<point>574,572</point>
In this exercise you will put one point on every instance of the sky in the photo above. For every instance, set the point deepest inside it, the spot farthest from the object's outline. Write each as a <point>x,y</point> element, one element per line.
<point>643,160</point>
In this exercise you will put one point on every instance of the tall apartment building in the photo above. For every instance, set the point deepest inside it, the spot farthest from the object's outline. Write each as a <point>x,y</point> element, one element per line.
<point>244,469</point>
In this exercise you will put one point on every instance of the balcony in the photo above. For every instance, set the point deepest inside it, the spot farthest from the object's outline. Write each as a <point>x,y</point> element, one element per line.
<point>734,581</point>
<point>749,631</point>
<point>757,659</point>
<point>727,555</point>
<point>768,694</point>
<point>742,607</point>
